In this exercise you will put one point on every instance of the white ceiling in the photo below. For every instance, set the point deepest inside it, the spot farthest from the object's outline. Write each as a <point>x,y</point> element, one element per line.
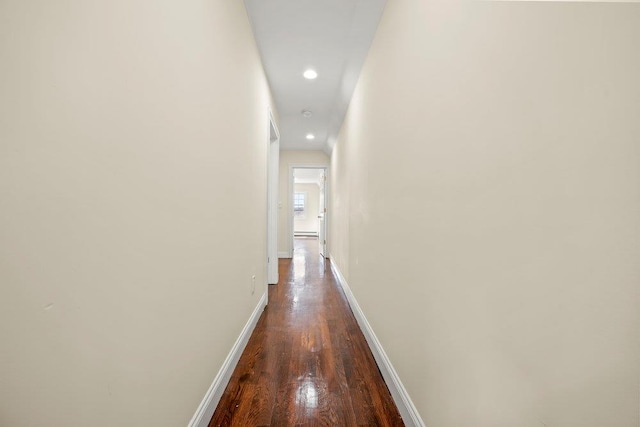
<point>329,36</point>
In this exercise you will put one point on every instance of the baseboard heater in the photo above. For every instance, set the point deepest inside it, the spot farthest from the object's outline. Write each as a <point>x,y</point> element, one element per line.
<point>306,233</point>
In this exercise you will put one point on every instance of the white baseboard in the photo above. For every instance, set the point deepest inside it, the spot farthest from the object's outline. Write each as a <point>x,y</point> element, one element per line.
<point>208,405</point>
<point>409,413</point>
<point>305,234</point>
<point>284,254</point>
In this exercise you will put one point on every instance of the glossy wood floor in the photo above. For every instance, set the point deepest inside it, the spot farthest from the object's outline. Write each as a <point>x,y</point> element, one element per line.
<point>307,362</point>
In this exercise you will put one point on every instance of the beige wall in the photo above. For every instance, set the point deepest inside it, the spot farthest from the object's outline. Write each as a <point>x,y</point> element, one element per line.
<point>126,249</point>
<point>486,209</point>
<point>312,208</point>
<point>288,158</point>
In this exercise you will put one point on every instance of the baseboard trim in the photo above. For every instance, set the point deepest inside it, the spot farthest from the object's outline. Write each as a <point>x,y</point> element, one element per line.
<point>409,413</point>
<point>283,255</point>
<point>208,405</point>
<point>305,234</point>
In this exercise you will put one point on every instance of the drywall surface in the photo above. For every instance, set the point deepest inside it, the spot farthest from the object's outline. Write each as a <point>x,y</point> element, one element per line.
<point>128,234</point>
<point>486,209</point>
<point>285,205</point>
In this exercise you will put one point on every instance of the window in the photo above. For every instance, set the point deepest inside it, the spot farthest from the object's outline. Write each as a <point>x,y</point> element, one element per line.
<point>299,203</point>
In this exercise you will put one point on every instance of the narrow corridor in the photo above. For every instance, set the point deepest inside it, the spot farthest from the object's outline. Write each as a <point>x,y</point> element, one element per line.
<point>307,362</point>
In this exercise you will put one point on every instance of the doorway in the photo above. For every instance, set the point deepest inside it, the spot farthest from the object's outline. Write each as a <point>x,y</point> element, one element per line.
<point>308,216</point>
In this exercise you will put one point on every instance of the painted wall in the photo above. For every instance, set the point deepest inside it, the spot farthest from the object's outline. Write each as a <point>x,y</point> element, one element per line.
<point>287,158</point>
<point>312,209</point>
<point>126,247</point>
<point>486,209</point>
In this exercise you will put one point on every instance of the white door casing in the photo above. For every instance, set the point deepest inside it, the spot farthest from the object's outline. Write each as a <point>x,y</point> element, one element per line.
<point>272,201</point>
<point>322,225</point>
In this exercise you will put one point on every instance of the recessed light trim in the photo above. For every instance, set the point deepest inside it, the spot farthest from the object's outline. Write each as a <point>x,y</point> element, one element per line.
<point>310,136</point>
<point>306,113</point>
<point>310,74</point>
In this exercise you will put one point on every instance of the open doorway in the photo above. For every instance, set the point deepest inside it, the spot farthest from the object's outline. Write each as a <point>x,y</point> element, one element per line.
<point>309,205</point>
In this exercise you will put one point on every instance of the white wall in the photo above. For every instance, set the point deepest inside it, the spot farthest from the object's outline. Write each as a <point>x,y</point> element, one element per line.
<point>486,209</point>
<point>287,159</point>
<point>126,247</point>
<point>312,209</point>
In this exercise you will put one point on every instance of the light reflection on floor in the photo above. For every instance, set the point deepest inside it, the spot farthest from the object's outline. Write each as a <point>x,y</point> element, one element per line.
<point>307,396</point>
<point>299,265</point>
<point>306,255</point>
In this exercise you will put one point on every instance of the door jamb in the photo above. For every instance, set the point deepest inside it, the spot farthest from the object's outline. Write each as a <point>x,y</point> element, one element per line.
<point>273,155</point>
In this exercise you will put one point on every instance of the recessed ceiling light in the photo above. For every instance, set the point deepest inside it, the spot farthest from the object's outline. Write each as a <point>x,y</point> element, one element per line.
<point>306,113</point>
<point>310,74</point>
<point>310,136</point>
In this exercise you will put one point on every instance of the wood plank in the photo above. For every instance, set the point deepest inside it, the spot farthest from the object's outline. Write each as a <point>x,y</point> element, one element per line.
<point>307,362</point>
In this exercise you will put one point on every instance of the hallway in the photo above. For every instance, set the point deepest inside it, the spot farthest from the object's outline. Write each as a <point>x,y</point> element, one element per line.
<point>307,362</point>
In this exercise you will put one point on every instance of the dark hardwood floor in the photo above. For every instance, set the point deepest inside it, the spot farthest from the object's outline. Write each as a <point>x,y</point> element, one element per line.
<point>307,362</point>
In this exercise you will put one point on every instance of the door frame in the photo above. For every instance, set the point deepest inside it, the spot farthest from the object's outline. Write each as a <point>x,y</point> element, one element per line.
<point>273,163</point>
<point>290,224</point>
